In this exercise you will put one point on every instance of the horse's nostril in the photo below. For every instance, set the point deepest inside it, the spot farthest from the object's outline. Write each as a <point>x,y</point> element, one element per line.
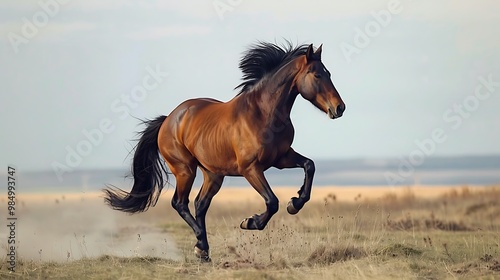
<point>340,109</point>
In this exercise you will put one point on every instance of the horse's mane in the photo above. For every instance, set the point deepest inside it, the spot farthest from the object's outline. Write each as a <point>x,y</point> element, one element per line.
<point>264,58</point>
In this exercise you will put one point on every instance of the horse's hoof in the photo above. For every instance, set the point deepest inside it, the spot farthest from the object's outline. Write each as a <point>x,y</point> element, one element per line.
<point>201,254</point>
<point>291,209</point>
<point>248,223</point>
<point>244,223</point>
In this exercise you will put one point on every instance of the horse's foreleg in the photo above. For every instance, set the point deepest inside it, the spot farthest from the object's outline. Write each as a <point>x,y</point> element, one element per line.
<point>211,185</point>
<point>259,183</point>
<point>293,159</point>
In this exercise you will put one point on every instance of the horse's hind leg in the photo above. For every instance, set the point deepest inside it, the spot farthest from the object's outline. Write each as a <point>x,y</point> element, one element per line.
<point>184,175</point>
<point>259,183</point>
<point>211,185</point>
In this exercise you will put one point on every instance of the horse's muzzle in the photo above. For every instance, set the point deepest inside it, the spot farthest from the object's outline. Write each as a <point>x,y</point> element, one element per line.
<point>335,113</point>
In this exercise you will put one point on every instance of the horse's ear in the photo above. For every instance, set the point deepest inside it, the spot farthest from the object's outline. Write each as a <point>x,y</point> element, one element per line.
<point>310,53</point>
<point>318,52</point>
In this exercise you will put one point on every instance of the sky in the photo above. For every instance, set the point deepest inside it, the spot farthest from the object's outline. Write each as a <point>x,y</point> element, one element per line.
<point>417,77</point>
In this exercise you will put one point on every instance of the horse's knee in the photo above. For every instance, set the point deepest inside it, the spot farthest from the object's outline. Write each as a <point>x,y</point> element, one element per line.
<point>175,201</point>
<point>309,168</point>
<point>179,205</point>
<point>272,205</point>
<point>176,205</point>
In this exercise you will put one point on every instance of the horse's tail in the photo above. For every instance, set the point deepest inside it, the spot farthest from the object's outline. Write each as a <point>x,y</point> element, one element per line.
<point>148,171</point>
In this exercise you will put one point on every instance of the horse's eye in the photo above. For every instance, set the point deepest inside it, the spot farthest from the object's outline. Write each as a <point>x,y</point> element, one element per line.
<point>317,76</point>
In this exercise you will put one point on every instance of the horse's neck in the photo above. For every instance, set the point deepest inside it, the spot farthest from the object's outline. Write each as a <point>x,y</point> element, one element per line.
<point>279,93</point>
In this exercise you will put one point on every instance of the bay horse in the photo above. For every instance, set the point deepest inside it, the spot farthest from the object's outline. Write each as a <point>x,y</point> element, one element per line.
<point>242,137</point>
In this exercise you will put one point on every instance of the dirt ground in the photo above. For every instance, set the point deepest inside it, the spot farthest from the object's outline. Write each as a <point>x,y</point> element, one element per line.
<point>66,227</point>
<point>57,227</point>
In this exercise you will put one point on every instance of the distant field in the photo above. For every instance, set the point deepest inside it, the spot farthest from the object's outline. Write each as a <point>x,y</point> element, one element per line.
<point>343,233</point>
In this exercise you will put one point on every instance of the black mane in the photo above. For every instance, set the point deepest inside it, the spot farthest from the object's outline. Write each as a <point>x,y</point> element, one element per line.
<point>263,58</point>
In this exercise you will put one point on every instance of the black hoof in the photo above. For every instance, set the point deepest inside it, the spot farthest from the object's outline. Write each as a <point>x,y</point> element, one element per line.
<point>292,210</point>
<point>248,223</point>
<point>201,254</point>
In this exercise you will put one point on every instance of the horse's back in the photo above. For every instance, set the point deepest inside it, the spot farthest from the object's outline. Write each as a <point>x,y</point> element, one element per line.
<point>197,103</point>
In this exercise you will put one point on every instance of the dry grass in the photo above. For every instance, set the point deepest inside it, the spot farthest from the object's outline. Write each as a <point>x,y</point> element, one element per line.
<point>393,236</point>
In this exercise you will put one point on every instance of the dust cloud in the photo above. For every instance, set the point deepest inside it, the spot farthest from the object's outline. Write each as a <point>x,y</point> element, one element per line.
<point>65,228</point>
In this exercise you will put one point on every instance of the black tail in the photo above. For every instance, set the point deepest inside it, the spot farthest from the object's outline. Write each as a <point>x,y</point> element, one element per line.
<point>147,170</point>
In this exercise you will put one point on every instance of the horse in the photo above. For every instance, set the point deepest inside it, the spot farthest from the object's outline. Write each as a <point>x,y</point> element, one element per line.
<point>244,136</point>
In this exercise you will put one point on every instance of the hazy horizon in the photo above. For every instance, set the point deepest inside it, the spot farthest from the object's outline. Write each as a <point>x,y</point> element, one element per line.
<point>444,171</point>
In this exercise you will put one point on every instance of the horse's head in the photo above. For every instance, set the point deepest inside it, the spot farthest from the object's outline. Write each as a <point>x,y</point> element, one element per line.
<point>314,84</point>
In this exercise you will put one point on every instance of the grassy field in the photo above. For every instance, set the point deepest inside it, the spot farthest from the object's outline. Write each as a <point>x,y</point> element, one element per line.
<point>402,235</point>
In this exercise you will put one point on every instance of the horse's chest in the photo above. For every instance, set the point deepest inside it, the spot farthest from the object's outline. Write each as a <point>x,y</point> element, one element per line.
<point>275,143</point>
